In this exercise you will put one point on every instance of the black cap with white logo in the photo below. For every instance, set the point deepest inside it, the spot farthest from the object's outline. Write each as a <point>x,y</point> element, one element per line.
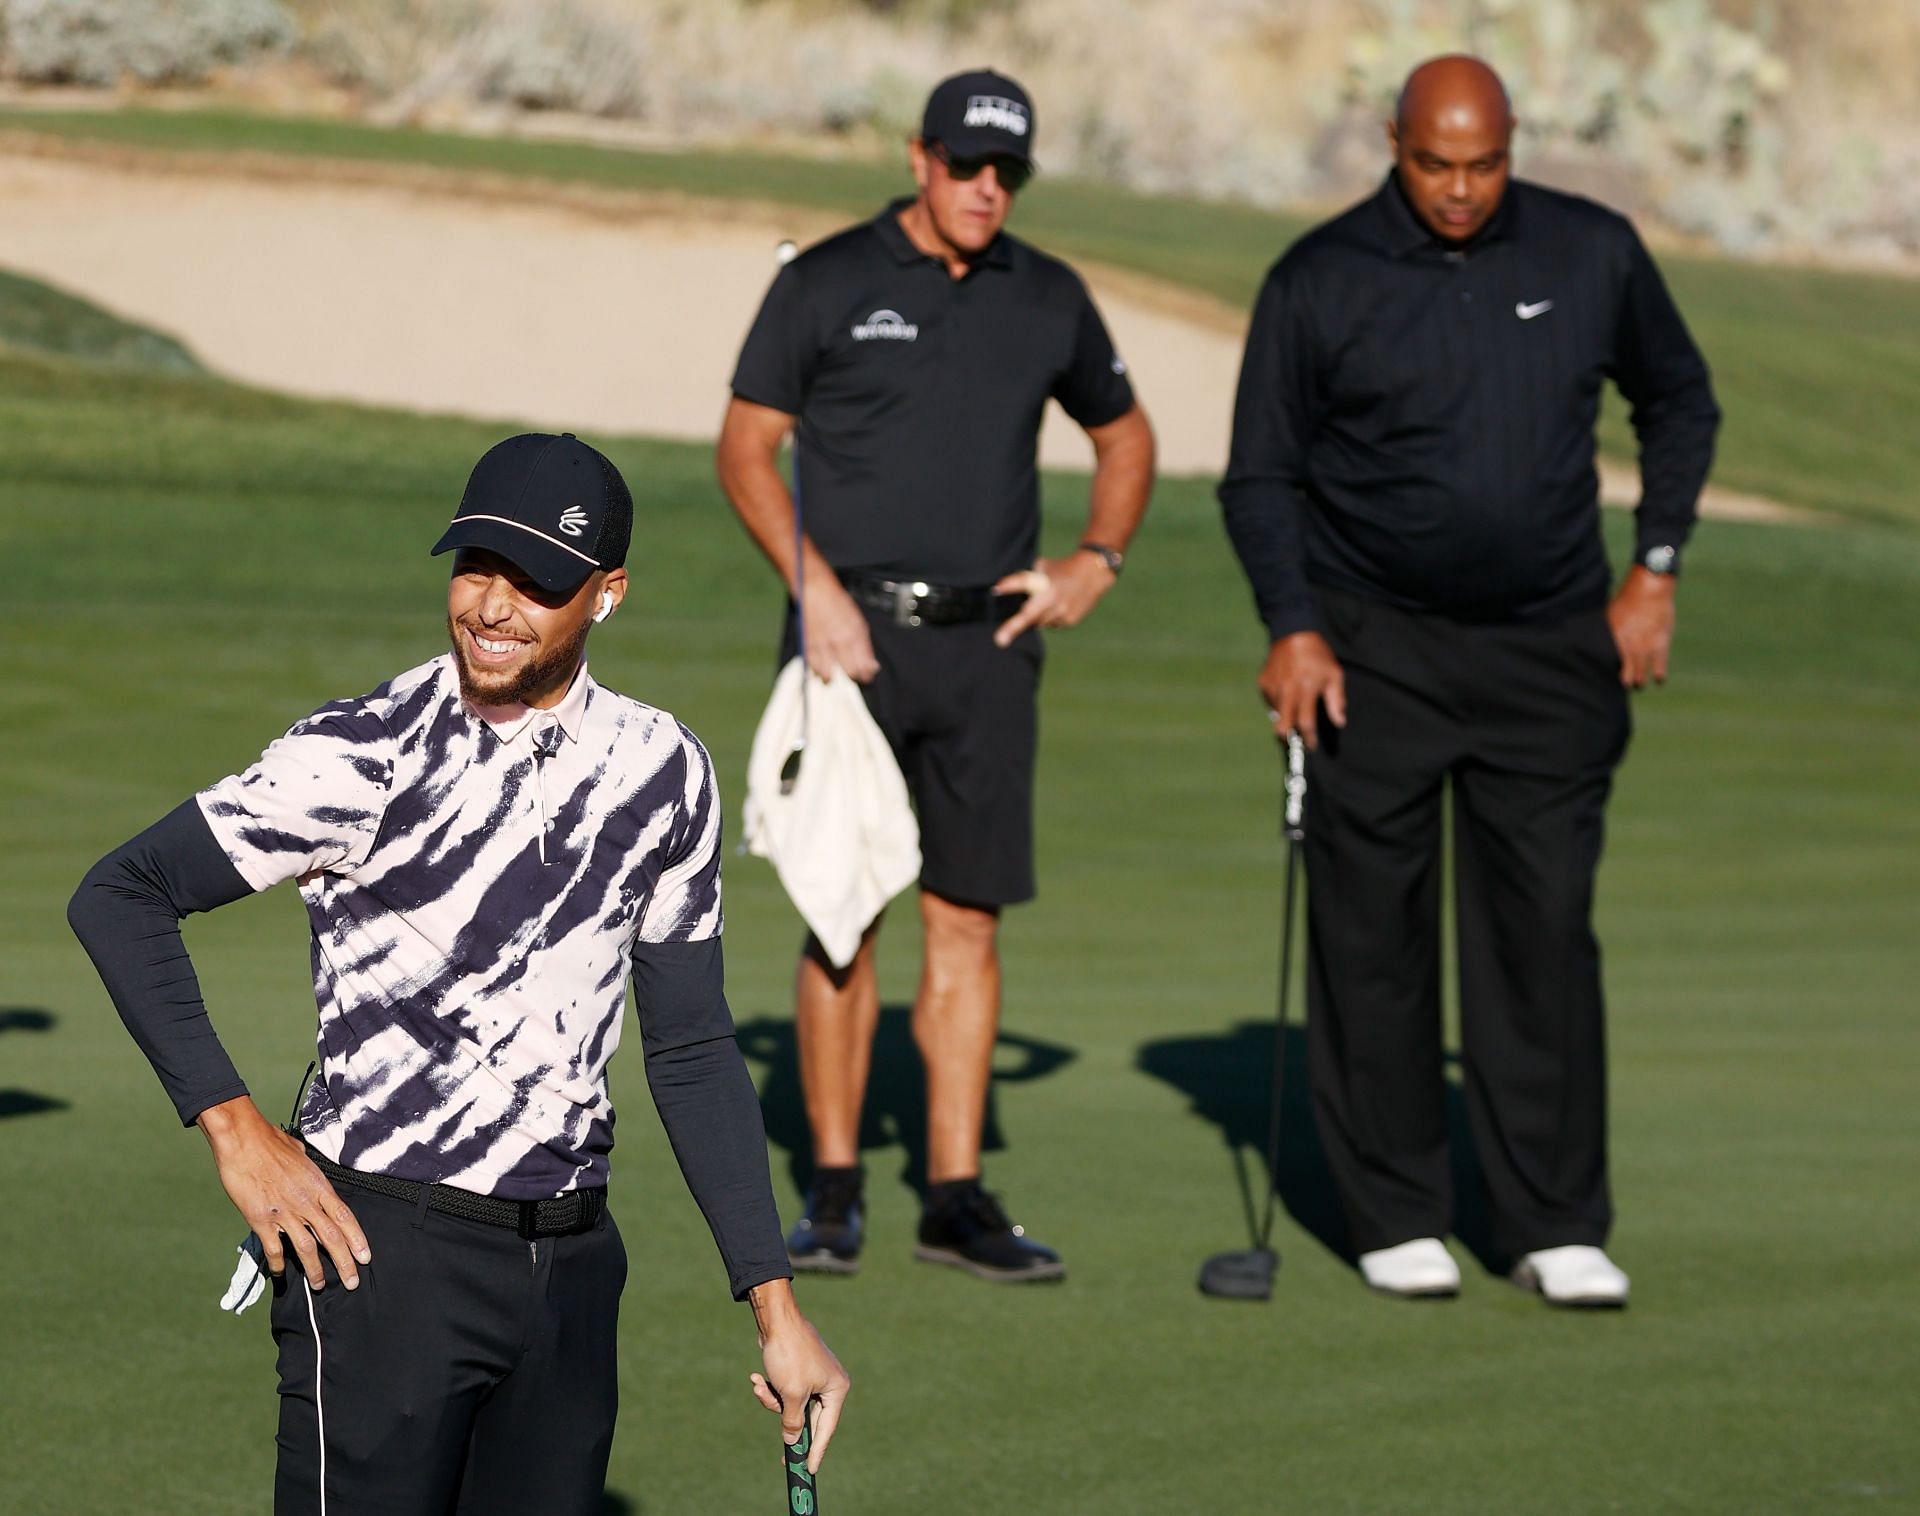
<point>551,506</point>
<point>980,115</point>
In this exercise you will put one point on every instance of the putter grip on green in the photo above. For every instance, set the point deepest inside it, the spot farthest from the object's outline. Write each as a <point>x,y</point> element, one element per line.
<point>802,1498</point>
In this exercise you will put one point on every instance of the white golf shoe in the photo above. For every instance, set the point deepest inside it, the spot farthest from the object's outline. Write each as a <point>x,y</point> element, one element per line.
<point>1572,1276</point>
<point>1417,1270</point>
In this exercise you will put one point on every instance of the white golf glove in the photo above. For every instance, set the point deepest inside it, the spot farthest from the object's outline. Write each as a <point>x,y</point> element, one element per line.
<point>249,1280</point>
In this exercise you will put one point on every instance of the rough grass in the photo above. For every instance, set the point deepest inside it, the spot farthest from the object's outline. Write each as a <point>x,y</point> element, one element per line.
<point>39,318</point>
<point>196,564</point>
<point>1817,371</point>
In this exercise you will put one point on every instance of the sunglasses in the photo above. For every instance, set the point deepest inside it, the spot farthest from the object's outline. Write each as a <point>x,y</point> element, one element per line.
<point>1011,173</point>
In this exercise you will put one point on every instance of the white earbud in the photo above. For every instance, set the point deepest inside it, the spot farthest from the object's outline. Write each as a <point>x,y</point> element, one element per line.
<point>606,606</point>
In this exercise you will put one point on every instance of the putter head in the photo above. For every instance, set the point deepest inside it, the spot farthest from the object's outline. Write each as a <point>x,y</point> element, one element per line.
<point>1245,1275</point>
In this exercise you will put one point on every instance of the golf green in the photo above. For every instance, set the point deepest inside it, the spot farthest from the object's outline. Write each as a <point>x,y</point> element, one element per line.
<point>195,566</point>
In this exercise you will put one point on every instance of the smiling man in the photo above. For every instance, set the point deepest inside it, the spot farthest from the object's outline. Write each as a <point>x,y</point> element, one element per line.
<point>1412,493</point>
<point>911,358</point>
<point>488,845</point>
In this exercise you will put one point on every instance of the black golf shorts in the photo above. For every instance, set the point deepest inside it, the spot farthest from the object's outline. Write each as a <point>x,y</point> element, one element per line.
<point>962,717</point>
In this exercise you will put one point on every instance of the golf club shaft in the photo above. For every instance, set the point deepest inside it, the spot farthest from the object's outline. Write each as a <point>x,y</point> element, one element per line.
<point>1293,830</point>
<point>790,770</point>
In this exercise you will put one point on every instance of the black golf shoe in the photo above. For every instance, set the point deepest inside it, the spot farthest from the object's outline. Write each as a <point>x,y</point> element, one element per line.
<point>965,1227</point>
<point>826,1240</point>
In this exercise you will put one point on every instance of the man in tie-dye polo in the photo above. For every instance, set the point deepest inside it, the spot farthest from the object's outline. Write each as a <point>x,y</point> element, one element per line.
<point>488,846</point>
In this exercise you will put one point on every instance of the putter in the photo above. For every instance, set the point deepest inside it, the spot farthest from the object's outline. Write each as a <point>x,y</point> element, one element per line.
<point>803,1497</point>
<point>790,770</point>
<point>1248,1274</point>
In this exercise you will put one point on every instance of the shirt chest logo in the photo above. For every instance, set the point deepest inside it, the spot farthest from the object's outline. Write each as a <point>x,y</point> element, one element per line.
<point>886,326</point>
<point>1527,312</point>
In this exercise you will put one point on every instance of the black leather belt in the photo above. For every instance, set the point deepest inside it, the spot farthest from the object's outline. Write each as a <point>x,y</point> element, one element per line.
<point>557,1216</point>
<point>914,602</point>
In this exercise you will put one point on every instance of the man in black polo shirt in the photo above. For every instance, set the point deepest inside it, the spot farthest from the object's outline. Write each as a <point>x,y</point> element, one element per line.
<point>1412,493</point>
<point>911,357</point>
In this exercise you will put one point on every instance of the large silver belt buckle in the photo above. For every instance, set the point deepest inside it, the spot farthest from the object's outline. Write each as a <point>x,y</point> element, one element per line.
<point>906,602</point>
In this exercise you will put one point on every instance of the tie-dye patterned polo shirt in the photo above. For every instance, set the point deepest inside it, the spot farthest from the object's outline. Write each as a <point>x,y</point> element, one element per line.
<point>478,883</point>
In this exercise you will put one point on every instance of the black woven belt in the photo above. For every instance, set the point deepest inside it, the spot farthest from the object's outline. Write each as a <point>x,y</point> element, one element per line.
<point>557,1216</point>
<point>914,602</point>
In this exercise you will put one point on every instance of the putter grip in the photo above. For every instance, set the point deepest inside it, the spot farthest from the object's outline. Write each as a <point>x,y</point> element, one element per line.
<point>802,1498</point>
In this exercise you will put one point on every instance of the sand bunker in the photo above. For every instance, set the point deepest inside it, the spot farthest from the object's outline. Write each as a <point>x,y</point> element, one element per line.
<point>566,309</point>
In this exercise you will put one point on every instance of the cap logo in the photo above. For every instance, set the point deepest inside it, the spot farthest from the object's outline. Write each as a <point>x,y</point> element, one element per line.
<point>573,521</point>
<point>996,111</point>
<point>886,326</point>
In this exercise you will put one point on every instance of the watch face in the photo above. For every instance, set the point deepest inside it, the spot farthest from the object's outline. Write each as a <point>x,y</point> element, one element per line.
<point>1660,560</point>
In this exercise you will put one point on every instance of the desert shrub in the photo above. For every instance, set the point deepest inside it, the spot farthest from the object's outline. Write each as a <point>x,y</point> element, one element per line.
<point>1756,123</point>
<point>155,41</point>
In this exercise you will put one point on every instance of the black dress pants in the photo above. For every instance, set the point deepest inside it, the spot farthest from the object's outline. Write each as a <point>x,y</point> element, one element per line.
<point>472,1371</point>
<point>1525,724</point>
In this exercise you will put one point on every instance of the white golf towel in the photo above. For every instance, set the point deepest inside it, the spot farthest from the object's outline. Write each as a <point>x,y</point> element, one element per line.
<point>844,842</point>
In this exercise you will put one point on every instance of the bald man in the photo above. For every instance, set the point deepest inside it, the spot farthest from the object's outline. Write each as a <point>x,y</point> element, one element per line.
<point>1412,495</point>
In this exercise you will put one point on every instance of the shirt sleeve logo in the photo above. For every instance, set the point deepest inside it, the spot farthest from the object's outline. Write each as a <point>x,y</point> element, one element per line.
<point>886,326</point>
<point>573,521</point>
<point>996,111</point>
<point>1527,312</point>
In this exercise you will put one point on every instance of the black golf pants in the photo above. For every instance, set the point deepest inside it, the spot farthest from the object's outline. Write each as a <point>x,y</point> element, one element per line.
<point>472,1371</point>
<point>1523,725</point>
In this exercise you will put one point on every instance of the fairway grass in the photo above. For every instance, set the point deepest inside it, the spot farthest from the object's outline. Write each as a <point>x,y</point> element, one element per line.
<point>196,565</point>
<point>1819,372</point>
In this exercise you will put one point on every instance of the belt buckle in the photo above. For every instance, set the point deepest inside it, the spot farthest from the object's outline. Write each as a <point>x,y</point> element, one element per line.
<point>906,602</point>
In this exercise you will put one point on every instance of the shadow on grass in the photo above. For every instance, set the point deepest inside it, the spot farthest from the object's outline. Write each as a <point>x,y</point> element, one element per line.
<point>613,1503</point>
<point>25,1018</point>
<point>1228,1077</point>
<point>896,1109</point>
<point>26,1103</point>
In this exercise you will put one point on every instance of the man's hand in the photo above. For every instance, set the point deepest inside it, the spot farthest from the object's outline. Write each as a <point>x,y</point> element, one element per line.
<point>837,633</point>
<point>275,1186</point>
<point>1059,591</point>
<point>1300,673</point>
<point>1641,615</point>
<point>800,1368</point>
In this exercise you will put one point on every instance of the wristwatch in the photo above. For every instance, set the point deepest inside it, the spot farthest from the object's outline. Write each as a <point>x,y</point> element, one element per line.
<point>1662,559</point>
<point>1112,557</point>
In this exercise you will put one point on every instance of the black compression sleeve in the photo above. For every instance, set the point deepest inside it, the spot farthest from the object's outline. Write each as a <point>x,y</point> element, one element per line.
<point>126,914</point>
<point>708,1105</point>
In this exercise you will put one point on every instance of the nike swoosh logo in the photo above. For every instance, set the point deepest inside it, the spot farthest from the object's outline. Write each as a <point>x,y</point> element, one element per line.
<point>1527,312</point>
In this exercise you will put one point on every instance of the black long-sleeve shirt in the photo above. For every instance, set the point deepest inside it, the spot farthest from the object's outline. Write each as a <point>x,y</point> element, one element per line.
<point>1415,423</point>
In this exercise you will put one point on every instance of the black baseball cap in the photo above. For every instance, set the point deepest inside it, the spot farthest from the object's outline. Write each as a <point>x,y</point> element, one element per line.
<point>980,115</point>
<point>552,506</point>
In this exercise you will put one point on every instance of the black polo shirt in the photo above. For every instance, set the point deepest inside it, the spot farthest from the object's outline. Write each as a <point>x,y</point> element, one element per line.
<point>1415,423</point>
<point>919,396</point>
